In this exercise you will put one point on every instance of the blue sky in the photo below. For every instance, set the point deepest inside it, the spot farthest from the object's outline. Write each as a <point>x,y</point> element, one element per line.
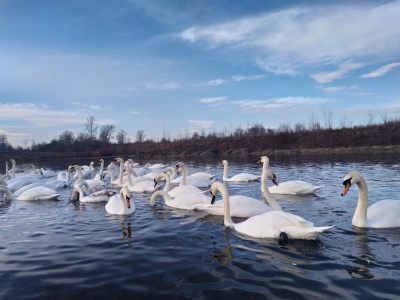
<point>174,67</point>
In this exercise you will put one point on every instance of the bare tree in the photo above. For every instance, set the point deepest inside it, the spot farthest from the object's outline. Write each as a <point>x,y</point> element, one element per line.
<point>140,136</point>
<point>314,123</point>
<point>371,117</point>
<point>90,127</point>
<point>122,137</point>
<point>106,133</point>
<point>4,144</point>
<point>67,139</point>
<point>327,116</point>
<point>384,118</point>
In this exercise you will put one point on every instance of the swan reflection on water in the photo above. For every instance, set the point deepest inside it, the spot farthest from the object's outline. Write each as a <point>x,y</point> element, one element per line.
<point>223,255</point>
<point>126,230</point>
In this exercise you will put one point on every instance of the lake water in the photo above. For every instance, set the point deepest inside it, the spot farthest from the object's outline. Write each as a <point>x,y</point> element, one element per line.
<point>69,250</point>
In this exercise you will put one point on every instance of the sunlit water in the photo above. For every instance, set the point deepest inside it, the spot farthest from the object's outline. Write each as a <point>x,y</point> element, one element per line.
<point>70,250</point>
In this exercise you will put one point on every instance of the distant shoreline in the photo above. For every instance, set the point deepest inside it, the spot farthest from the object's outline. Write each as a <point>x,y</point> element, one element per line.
<point>27,156</point>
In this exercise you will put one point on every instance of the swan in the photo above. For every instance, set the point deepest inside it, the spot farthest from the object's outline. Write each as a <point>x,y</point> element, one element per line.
<point>271,224</point>
<point>88,171</point>
<point>292,187</point>
<point>98,175</point>
<point>184,201</point>
<point>121,204</point>
<point>243,206</point>
<point>39,193</point>
<point>41,171</point>
<point>93,183</point>
<point>120,180</point>
<point>155,166</point>
<point>99,196</point>
<point>171,172</point>
<point>177,191</point>
<point>194,181</point>
<point>382,214</point>
<point>244,177</point>
<point>6,192</point>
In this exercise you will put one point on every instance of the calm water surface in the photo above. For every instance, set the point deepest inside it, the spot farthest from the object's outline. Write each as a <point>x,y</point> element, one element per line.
<point>69,250</point>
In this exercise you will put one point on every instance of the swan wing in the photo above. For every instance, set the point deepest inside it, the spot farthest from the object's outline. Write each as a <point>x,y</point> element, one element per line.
<point>384,214</point>
<point>294,187</point>
<point>244,177</point>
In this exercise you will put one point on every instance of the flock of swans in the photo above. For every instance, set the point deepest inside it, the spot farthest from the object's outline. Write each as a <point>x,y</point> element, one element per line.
<point>122,179</point>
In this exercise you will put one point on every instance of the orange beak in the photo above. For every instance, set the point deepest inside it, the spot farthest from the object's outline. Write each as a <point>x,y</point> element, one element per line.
<point>345,189</point>
<point>128,201</point>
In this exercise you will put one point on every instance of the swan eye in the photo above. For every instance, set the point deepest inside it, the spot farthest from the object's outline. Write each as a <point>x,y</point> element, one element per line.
<point>347,182</point>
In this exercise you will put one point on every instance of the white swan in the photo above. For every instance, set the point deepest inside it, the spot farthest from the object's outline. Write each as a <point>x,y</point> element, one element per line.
<point>194,181</point>
<point>120,180</point>
<point>171,172</point>
<point>155,166</point>
<point>99,196</point>
<point>382,214</point>
<point>243,206</point>
<point>292,187</point>
<point>121,204</point>
<point>93,183</point>
<point>241,177</point>
<point>184,201</point>
<point>177,191</point>
<point>270,224</point>
<point>39,193</point>
<point>6,192</point>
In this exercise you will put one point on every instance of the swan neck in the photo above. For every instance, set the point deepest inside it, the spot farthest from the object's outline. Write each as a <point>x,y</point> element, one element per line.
<point>184,174</point>
<point>264,189</point>
<point>167,182</point>
<point>121,172</point>
<point>128,174</point>
<point>79,180</point>
<point>163,194</point>
<point>225,174</point>
<point>360,214</point>
<point>227,208</point>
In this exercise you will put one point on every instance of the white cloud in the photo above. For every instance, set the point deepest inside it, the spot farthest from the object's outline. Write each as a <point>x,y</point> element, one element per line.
<point>133,112</point>
<point>211,100</point>
<point>241,78</point>
<point>157,86</point>
<point>381,71</point>
<point>344,69</point>
<point>307,36</point>
<point>274,104</point>
<point>216,82</point>
<point>202,123</point>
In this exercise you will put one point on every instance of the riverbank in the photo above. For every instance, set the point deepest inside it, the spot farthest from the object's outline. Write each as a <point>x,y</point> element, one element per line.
<point>27,156</point>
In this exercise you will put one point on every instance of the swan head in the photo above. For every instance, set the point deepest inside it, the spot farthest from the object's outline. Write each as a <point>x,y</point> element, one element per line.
<point>214,191</point>
<point>127,195</point>
<point>350,179</point>
<point>179,165</point>
<point>264,159</point>
<point>224,162</point>
<point>118,160</point>
<point>271,175</point>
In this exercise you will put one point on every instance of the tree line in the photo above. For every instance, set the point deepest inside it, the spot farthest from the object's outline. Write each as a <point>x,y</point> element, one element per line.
<point>97,140</point>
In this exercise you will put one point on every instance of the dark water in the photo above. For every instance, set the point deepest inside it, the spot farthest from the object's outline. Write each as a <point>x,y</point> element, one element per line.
<point>70,250</point>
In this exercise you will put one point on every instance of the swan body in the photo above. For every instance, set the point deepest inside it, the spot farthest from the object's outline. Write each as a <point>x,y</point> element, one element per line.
<point>270,224</point>
<point>121,204</point>
<point>155,166</point>
<point>184,201</point>
<point>93,183</point>
<point>99,196</point>
<point>194,181</point>
<point>243,206</point>
<point>382,214</point>
<point>39,193</point>
<point>294,187</point>
<point>241,177</point>
<point>177,191</point>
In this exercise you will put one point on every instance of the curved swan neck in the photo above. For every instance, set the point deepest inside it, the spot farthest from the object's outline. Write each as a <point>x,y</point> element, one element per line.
<point>79,171</point>
<point>227,209</point>
<point>167,182</point>
<point>264,188</point>
<point>121,171</point>
<point>110,173</point>
<point>128,173</point>
<point>101,166</point>
<point>360,214</point>
<point>184,174</point>
<point>163,194</point>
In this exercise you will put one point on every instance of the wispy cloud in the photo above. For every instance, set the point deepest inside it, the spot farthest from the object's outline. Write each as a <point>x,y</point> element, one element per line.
<point>161,86</point>
<point>134,112</point>
<point>241,78</point>
<point>350,90</point>
<point>262,106</point>
<point>202,123</point>
<point>287,40</point>
<point>84,105</point>
<point>217,81</point>
<point>212,100</point>
<point>344,69</point>
<point>40,116</point>
<point>381,71</point>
